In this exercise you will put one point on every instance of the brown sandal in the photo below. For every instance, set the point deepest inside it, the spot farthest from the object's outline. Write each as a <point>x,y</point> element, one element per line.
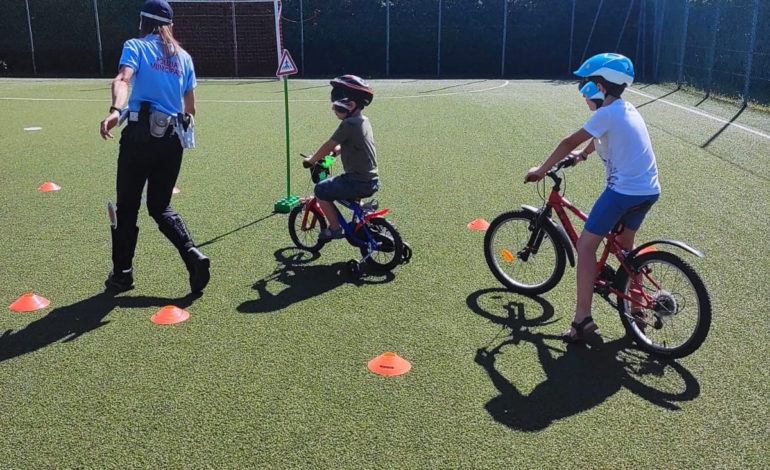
<point>585,329</point>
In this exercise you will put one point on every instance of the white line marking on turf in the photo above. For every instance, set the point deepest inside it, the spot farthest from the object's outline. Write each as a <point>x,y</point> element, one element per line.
<point>701,113</point>
<point>91,100</point>
<point>33,128</point>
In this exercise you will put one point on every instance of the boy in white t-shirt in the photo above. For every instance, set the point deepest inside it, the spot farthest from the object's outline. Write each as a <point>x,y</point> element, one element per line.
<point>620,134</point>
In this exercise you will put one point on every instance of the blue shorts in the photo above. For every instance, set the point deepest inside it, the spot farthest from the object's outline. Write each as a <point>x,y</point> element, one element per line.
<point>612,207</point>
<point>344,187</point>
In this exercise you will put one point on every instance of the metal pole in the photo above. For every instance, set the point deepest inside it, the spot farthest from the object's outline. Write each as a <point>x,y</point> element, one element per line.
<point>588,41</point>
<point>99,39</point>
<point>438,53</point>
<point>684,42</point>
<point>387,38</point>
<point>571,36</point>
<point>660,39</point>
<point>750,58</point>
<point>31,41</point>
<point>235,39</point>
<point>643,6</point>
<point>712,50</point>
<point>623,29</point>
<point>639,37</point>
<point>301,37</point>
<point>505,28</point>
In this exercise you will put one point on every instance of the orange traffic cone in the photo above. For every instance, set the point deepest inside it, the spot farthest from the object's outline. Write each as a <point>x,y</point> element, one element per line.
<point>29,303</point>
<point>389,364</point>
<point>48,186</point>
<point>169,315</point>
<point>479,224</point>
<point>176,190</point>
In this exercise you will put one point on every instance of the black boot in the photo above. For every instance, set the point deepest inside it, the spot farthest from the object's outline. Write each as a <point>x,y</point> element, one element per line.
<point>120,282</point>
<point>174,228</point>
<point>121,277</point>
<point>198,266</point>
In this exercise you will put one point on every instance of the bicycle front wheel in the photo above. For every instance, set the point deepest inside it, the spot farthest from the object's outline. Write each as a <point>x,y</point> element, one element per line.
<point>677,317</point>
<point>304,229</point>
<point>525,258</point>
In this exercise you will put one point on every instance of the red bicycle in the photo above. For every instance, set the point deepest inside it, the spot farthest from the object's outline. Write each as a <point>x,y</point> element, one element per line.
<point>662,301</point>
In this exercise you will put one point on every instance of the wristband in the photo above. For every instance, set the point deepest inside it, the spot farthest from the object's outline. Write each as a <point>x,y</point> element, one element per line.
<point>113,108</point>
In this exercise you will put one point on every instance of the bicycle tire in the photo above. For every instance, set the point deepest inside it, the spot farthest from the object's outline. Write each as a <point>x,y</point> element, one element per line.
<point>655,333</point>
<point>306,239</point>
<point>391,245</point>
<point>543,270</point>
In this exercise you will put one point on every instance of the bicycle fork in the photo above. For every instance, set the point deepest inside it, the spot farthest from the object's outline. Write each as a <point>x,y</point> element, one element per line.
<point>536,235</point>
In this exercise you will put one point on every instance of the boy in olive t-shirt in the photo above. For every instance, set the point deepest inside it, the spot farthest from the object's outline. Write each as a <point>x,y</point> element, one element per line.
<point>354,142</point>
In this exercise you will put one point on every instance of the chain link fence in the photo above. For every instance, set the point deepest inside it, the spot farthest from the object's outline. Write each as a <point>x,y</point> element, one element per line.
<point>719,46</point>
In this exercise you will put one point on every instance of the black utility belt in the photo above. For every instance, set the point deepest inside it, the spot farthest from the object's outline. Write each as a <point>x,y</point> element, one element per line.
<point>145,124</point>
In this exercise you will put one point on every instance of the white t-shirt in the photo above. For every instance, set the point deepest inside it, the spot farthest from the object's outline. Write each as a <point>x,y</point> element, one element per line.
<point>623,144</point>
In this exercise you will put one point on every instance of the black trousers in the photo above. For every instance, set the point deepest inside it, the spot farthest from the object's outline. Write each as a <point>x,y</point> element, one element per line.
<point>155,161</point>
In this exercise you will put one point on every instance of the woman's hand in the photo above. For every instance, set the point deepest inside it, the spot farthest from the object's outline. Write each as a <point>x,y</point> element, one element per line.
<point>108,123</point>
<point>535,174</point>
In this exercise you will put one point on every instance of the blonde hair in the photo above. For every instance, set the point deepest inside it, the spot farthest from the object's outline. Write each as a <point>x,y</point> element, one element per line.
<point>165,31</point>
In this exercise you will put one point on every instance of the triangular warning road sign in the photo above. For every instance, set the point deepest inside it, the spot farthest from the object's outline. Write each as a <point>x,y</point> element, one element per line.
<point>286,66</point>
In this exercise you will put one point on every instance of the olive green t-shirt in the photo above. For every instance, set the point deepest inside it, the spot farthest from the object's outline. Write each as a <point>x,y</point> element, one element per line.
<point>356,139</point>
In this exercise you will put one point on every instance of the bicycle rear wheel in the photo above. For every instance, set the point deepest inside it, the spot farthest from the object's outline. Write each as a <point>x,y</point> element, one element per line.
<point>389,253</point>
<point>679,315</point>
<point>304,231</point>
<point>520,267</point>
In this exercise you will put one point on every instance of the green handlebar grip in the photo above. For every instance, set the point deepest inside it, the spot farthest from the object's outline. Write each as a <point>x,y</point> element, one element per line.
<point>327,161</point>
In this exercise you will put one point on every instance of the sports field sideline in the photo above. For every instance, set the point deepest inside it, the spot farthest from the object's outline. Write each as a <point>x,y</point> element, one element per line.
<point>270,369</point>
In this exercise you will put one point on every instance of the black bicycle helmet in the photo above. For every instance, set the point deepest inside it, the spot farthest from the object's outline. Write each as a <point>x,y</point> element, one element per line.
<point>350,92</point>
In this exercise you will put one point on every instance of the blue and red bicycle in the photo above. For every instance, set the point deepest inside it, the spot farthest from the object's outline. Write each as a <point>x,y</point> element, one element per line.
<point>377,239</point>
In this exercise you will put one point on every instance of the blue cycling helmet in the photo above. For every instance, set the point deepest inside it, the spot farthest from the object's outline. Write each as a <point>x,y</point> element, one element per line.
<point>614,68</point>
<point>590,91</point>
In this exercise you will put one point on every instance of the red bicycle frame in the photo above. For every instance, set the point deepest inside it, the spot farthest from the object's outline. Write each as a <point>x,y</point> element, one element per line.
<point>638,296</point>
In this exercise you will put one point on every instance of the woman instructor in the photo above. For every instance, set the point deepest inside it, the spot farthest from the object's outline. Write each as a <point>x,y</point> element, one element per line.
<point>162,81</point>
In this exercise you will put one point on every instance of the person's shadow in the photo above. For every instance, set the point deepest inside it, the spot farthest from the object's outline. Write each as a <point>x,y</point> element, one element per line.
<point>69,322</point>
<point>578,378</point>
<point>302,281</point>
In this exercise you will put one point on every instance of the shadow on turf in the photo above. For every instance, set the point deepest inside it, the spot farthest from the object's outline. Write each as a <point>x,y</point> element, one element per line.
<point>722,129</point>
<point>578,378</point>
<point>69,322</point>
<point>219,237</point>
<point>302,281</point>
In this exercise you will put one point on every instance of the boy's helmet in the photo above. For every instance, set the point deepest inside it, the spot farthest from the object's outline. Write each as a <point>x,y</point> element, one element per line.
<point>347,89</point>
<point>614,68</point>
<point>590,91</point>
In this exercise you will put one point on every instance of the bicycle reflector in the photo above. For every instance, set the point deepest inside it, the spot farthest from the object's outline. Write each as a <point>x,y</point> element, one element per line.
<point>508,256</point>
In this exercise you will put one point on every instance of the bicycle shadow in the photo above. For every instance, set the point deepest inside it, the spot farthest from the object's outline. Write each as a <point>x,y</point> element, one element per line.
<point>69,322</point>
<point>302,280</point>
<point>578,378</point>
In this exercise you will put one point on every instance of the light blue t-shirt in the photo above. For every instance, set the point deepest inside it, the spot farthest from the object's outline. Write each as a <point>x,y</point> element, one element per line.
<point>159,79</point>
<point>623,144</point>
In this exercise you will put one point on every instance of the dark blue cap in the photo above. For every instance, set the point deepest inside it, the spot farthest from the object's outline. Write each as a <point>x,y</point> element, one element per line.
<point>158,10</point>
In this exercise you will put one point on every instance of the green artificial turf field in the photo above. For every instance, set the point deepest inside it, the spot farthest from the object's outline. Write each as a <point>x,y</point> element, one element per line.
<point>270,369</point>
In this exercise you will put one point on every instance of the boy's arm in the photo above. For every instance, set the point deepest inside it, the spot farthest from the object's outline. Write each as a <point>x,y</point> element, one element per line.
<point>326,149</point>
<point>563,149</point>
<point>583,154</point>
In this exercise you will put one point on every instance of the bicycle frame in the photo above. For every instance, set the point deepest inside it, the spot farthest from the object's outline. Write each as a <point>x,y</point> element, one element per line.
<point>603,285</point>
<point>352,228</point>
